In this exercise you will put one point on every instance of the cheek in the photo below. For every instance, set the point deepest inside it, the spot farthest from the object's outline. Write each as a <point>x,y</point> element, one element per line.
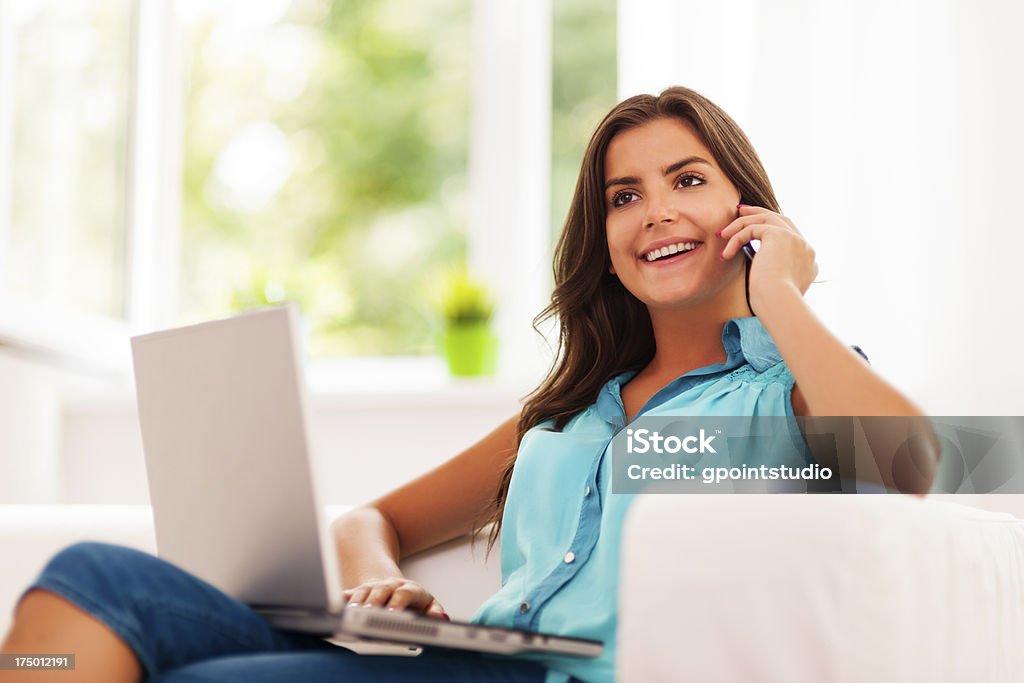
<point>711,215</point>
<point>704,215</point>
<point>618,245</point>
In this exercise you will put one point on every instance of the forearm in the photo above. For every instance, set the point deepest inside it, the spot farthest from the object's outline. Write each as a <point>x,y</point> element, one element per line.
<point>367,546</point>
<point>834,380</point>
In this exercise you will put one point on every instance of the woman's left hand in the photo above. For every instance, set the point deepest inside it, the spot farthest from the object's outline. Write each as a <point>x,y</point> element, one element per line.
<point>784,258</point>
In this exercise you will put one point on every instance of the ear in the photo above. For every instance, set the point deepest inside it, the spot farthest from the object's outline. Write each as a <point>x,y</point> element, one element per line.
<point>611,269</point>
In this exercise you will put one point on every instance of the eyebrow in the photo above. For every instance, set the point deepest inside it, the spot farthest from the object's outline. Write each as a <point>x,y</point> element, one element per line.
<point>671,168</point>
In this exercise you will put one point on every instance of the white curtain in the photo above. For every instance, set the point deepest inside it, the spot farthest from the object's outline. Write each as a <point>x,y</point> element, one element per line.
<point>891,130</point>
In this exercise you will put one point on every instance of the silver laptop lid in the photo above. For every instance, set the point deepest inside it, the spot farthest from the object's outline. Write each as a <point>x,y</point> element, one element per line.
<point>222,410</point>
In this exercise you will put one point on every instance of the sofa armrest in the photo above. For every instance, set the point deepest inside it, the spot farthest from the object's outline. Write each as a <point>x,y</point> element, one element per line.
<point>458,574</point>
<point>819,588</point>
<point>31,534</point>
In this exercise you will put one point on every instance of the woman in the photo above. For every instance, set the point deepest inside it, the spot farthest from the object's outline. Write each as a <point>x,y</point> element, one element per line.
<point>659,311</point>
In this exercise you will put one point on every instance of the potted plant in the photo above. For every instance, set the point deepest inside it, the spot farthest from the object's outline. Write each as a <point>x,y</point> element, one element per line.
<point>468,342</point>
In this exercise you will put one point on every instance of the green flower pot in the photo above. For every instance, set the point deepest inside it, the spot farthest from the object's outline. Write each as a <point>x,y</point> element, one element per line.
<point>471,349</point>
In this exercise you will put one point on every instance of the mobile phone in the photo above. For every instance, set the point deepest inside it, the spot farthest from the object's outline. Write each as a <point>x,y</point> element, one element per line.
<point>749,250</point>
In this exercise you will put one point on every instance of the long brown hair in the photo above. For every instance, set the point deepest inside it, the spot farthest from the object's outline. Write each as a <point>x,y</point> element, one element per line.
<point>603,329</point>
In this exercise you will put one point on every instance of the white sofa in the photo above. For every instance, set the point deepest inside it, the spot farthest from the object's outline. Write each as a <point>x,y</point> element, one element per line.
<point>729,588</point>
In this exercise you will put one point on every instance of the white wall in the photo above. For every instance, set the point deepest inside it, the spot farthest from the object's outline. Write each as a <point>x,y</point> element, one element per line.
<point>891,131</point>
<point>29,423</point>
<point>367,442</point>
<point>69,438</point>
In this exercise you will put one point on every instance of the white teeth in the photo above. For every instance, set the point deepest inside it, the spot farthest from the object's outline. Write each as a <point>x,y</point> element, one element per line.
<point>671,249</point>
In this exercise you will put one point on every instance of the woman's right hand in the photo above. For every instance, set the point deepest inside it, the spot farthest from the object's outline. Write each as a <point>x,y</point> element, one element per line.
<point>395,593</point>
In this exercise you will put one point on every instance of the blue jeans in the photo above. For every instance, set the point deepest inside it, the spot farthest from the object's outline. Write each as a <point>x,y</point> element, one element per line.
<point>184,630</point>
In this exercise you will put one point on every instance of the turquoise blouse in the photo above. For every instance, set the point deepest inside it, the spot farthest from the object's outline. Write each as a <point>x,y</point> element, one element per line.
<point>561,527</point>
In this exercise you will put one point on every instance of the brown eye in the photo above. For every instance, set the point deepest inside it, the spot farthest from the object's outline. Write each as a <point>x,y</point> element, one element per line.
<point>623,198</point>
<point>690,180</point>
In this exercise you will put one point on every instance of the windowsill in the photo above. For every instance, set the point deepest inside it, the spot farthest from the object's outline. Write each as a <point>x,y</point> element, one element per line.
<point>401,381</point>
<point>68,340</point>
<point>407,379</point>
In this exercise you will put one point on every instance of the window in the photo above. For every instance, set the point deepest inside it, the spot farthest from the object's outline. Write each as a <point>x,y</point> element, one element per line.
<point>325,163</point>
<point>162,163</point>
<point>67,76</point>
<point>85,202</point>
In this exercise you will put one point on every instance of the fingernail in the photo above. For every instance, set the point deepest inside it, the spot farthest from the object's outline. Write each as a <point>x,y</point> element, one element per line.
<point>740,205</point>
<point>719,233</point>
<point>354,604</point>
<point>445,615</point>
<point>721,257</point>
<point>391,609</point>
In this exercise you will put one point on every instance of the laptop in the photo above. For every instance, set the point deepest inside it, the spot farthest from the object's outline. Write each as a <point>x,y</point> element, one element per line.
<point>222,406</point>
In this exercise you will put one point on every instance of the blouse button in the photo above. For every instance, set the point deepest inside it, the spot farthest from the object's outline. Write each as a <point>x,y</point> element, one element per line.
<point>524,607</point>
<point>569,557</point>
<point>586,491</point>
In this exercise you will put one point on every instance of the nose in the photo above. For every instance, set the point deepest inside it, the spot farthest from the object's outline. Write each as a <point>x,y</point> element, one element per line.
<point>659,210</point>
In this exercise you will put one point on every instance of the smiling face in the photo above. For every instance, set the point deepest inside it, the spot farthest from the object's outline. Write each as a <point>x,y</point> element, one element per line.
<point>665,197</point>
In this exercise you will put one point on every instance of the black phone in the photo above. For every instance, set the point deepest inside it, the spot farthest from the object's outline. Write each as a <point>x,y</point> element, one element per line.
<point>748,248</point>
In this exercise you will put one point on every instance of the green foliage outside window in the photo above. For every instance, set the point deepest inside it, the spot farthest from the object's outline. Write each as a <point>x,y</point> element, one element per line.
<point>325,164</point>
<point>584,82</point>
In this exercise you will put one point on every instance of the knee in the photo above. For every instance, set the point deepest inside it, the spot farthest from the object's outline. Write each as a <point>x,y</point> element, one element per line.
<point>87,567</point>
<point>91,557</point>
